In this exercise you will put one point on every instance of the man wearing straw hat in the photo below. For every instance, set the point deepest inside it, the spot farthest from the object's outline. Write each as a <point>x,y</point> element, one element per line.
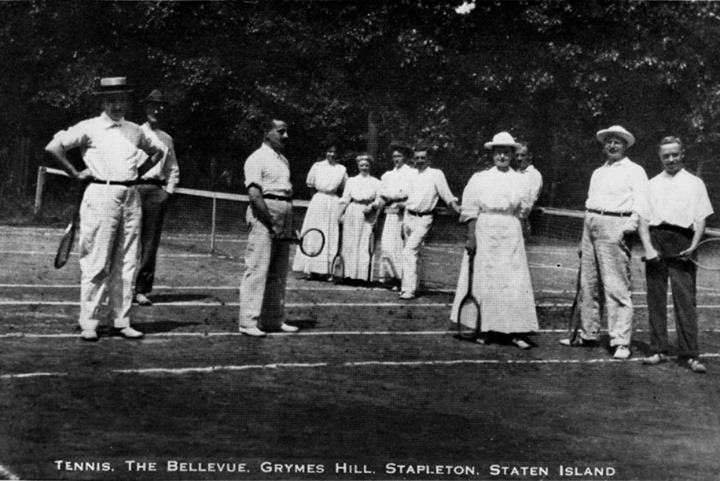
<point>617,193</point>
<point>155,188</point>
<point>116,154</point>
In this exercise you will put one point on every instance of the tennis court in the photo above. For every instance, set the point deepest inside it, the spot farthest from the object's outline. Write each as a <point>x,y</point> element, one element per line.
<point>371,388</point>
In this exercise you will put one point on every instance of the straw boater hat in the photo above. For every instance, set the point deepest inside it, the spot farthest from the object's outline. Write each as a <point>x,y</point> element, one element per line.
<point>502,139</point>
<point>155,97</point>
<point>113,85</point>
<point>617,130</point>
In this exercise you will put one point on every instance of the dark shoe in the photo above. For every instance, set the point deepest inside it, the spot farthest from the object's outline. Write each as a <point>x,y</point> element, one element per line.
<point>655,359</point>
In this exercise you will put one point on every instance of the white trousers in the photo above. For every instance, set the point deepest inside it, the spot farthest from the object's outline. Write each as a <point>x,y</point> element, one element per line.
<point>415,228</point>
<point>110,218</point>
<point>262,291</point>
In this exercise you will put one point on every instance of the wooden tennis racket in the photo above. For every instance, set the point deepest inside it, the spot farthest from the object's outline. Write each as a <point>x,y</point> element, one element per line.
<point>469,318</point>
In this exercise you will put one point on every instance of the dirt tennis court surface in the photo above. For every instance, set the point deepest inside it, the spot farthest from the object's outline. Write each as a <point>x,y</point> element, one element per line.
<point>372,387</point>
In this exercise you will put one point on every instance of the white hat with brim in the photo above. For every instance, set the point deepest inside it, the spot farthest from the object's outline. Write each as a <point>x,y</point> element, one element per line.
<point>113,86</point>
<point>617,130</point>
<point>502,139</point>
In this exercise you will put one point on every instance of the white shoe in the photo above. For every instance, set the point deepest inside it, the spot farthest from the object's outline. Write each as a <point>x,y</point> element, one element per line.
<point>622,352</point>
<point>130,333</point>
<point>520,343</point>
<point>142,299</point>
<point>89,335</point>
<point>288,328</point>
<point>407,295</point>
<point>252,331</point>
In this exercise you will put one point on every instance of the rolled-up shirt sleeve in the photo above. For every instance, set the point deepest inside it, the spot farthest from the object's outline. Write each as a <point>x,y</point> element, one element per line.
<point>75,136</point>
<point>443,188</point>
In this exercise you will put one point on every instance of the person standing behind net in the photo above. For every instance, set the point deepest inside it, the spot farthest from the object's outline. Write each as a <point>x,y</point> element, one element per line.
<point>532,179</point>
<point>492,203</point>
<point>270,218</point>
<point>618,190</point>
<point>427,186</point>
<point>394,189</point>
<point>673,225</point>
<point>328,178</point>
<point>115,152</point>
<point>358,213</point>
<point>155,188</point>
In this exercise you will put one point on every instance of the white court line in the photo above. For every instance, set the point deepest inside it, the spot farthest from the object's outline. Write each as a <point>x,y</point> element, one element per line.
<point>18,335</point>
<point>50,253</point>
<point>316,304</point>
<point>7,474</point>
<point>237,304</point>
<point>314,365</point>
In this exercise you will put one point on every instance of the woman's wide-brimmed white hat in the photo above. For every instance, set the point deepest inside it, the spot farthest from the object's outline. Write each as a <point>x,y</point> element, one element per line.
<point>502,139</point>
<point>617,130</point>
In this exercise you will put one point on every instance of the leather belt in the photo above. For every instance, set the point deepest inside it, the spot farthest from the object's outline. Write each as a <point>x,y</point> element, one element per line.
<point>158,182</point>
<point>418,214</point>
<point>363,202</point>
<point>614,214</point>
<point>277,197</point>
<point>126,183</point>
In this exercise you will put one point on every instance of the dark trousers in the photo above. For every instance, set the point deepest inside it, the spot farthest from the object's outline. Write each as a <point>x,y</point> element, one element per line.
<point>154,202</point>
<point>668,241</point>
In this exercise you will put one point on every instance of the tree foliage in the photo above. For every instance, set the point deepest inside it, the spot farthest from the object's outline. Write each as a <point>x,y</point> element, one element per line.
<point>551,71</point>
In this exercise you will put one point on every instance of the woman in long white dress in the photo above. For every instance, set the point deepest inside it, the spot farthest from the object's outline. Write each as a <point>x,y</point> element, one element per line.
<point>493,202</point>
<point>328,178</point>
<point>359,208</point>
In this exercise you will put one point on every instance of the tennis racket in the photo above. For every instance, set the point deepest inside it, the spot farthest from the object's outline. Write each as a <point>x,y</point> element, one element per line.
<point>469,312</point>
<point>337,268</point>
<point>371,252</point>
<point>311,242</point>
<point>706,255</point>
<point>68,239</point>
<point>574,320</point>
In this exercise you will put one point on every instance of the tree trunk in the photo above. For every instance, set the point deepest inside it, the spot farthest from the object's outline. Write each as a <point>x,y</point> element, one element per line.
<point>372,133</point>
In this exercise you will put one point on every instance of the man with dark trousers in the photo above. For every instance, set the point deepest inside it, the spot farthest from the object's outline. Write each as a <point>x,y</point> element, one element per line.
<point>155,188</point>
<point>670,228</point>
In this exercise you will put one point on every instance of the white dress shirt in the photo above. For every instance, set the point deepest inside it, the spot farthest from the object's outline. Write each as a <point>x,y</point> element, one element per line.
<point>494,191</point>
<point>680,200</point>
<point>361,188</point>
<point>425,188</point>
<point>534,182</point>
<point>167,169</point>
<point>270,171</point>
<point>112,150</point>
<point>618,187</point>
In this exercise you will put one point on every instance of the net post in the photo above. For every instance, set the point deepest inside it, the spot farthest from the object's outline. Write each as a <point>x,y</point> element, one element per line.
<point>39,189</point>
<point>212,231</point>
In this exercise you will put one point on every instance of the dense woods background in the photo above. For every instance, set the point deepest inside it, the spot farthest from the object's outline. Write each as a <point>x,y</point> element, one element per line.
<point>367,72</point>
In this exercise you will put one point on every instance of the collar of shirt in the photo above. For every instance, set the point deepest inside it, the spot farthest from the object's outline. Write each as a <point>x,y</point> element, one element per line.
<point>110,122</point>
<point>618,163</point>
<point>678,175</point>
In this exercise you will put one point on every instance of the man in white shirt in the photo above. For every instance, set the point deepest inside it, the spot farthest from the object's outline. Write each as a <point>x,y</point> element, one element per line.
<point>270,218</point>
<point>155,188</point>
<point>532,178</point>
<point>617,192</point>
<point>670,228</point>
<point>115,152</point>
<point>394,189</point>
<point>427,186</point>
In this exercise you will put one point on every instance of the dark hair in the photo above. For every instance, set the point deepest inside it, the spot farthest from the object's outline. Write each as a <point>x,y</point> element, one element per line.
<point>670,139</point>
<point>268,124</point>
<point>523,143</point>
<point>401,147</point>
<point>425,147</point>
